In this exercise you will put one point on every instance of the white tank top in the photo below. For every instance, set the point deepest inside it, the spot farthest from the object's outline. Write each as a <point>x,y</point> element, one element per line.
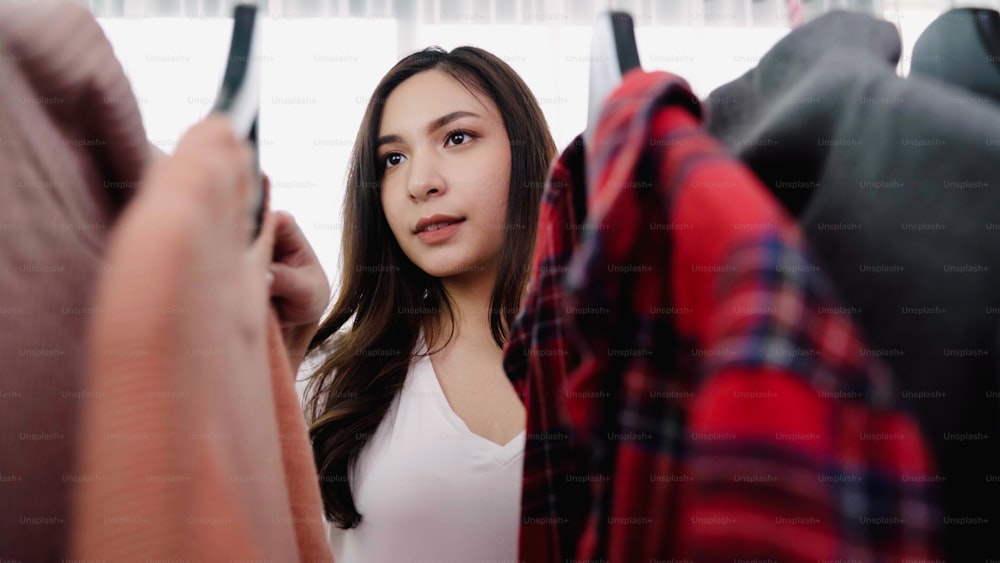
<point>429,489</point>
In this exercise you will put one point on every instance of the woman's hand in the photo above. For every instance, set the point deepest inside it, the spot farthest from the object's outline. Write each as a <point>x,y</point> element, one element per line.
<point>300,290</point>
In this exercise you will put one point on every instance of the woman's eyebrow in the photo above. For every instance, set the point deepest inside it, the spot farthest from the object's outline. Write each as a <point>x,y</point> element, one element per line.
<point>431,127</point>
<point>386,139</point>
<point>446,119</point>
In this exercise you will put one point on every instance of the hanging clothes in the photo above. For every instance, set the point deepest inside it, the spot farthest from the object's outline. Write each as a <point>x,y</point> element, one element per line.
<point>555,490</point>
<point>195,433</point>
<point>72,150</point>
<point>722,399</point>
<point>969,35</point>
<point>894,182</point>
<point>135,460</point>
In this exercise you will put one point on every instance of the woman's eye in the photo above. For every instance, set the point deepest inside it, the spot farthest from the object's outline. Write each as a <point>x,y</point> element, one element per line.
<point>392,159</point>
<point>459,138</point>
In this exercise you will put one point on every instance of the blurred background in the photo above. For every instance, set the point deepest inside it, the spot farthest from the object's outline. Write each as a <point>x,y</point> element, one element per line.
<point>323,58</point>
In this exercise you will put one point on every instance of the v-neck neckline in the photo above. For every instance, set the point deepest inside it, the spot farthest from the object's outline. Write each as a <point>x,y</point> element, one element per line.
<point>501,453</point>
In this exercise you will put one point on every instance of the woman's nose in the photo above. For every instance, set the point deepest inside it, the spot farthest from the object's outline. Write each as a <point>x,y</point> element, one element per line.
<point>426,178</point>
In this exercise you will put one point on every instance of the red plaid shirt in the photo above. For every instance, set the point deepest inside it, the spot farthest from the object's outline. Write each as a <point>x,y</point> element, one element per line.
<point>555,494</point>
<point>714,398</point>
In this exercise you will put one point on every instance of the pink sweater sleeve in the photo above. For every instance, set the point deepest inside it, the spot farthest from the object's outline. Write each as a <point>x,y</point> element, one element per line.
<point>195,438</point>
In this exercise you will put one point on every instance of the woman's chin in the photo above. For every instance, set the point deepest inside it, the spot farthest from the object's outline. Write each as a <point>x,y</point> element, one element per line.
<point>455,271</point>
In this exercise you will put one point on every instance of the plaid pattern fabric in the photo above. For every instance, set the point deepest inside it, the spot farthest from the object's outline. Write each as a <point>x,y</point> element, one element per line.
<point>723,400</point>
<point>554,499</point>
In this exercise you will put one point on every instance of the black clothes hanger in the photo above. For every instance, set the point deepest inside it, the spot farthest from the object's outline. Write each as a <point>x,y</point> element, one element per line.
<point>962,47</point>
<point>239,95</point>
<point>613,53</point>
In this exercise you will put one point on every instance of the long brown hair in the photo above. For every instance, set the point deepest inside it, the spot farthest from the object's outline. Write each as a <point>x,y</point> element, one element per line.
<point>388,297</point>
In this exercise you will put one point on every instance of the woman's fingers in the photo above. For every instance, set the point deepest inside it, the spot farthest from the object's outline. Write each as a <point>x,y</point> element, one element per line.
<point>291,246</point>
<point>288,284</point>
<point>300,289</point>
<point>263,247</point>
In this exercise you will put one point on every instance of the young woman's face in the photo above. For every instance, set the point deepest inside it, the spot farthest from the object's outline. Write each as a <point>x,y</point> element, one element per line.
<point>446,158</point>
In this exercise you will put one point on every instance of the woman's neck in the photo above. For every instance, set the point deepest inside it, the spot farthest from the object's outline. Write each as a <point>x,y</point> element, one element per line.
<point>471,300</point>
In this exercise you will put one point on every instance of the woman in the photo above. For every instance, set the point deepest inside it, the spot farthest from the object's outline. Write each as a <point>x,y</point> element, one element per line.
<point>417,433</point>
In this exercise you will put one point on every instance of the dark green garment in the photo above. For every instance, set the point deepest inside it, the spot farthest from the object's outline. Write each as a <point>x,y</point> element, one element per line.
<point>962,48</point>
<point>896,182</point>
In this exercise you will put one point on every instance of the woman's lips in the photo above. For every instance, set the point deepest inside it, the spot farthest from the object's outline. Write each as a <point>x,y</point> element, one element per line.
<point>440,232</point>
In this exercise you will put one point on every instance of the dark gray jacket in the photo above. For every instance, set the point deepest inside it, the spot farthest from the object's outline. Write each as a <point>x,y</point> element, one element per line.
<point>896,183</point>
